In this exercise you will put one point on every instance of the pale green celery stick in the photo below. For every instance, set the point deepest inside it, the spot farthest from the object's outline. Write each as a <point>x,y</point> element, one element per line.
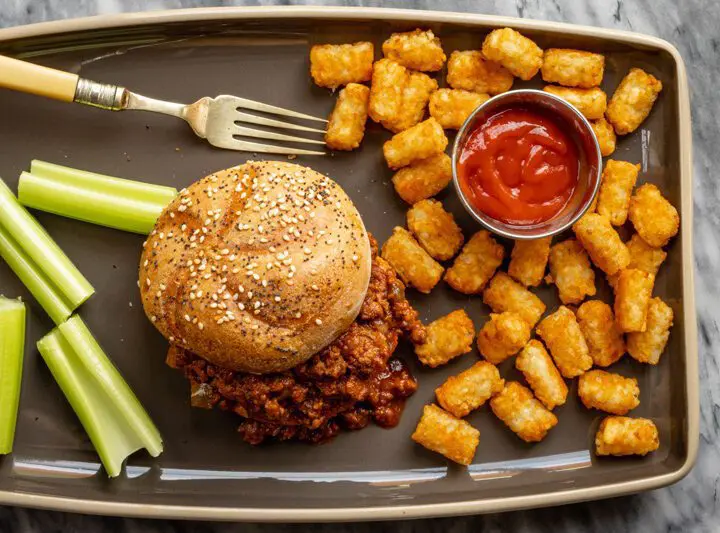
<point>90,203</point>
<point>156,194</point>
<point>109,411</point>
<point>42,249</point>
<point>33,278</point>
<point>12,348</point>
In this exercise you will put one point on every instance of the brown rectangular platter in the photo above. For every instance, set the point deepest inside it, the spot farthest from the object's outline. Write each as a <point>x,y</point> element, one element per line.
<point>206,470</point>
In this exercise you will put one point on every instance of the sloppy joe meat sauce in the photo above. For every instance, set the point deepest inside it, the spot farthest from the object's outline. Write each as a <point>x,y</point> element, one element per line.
<point>353,381</point>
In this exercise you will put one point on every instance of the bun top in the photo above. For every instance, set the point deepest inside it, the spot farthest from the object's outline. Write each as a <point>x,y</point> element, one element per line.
<point>256,268</point>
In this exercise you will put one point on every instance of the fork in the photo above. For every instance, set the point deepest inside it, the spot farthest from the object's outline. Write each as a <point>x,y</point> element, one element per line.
<point>219,120</point>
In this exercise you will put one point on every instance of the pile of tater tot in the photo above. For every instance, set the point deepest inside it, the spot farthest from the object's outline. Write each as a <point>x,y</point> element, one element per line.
<point>583,337</point>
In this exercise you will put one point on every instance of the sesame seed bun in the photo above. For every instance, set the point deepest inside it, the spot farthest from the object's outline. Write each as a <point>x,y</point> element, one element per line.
<point>256,268</point>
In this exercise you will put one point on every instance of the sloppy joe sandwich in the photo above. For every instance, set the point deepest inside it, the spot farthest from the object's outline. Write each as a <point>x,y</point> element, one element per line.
<point>269,289</point>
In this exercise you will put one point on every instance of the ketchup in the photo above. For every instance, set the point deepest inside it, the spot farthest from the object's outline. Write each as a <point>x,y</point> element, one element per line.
<point>519,166</point>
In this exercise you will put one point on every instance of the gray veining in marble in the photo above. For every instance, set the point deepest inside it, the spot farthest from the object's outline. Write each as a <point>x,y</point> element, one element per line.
<point>692,505</point>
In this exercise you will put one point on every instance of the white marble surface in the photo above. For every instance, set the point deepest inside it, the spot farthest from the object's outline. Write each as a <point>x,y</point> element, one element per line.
<point>692,505</point>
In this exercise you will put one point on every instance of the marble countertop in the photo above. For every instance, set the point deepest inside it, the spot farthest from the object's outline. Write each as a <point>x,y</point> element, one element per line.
<point>693,504</point>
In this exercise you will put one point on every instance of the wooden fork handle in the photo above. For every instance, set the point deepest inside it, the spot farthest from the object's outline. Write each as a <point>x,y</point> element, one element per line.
<point>35,79</point>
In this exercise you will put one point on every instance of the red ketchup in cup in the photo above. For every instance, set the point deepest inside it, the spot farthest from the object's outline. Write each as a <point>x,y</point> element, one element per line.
<point>519,166</point>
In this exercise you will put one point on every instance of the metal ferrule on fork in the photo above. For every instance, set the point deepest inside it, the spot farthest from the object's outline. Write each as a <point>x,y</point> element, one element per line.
<point>110,97</point>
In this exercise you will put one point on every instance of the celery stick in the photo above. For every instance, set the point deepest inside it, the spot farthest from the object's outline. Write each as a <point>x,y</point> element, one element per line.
<point>12,347</point>
<point>42,249</point>
<point>156,194</point>
<point>102,206</point>
<point>109,411</point>
<point>33,278</point>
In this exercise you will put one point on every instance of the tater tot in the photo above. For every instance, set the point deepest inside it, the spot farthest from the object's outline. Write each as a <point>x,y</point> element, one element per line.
<point>503,336</point>
<point>621,435</point>
<point>654,218</point>
<point>632,296</point>
<point>605,135</point>
<point>476,264</point>
<point>441,432</point>
<point>412,263</point>
<point>419,142</point>
<point>398,97</point>
<point>446,338</point>
<point>416,50</point>
<point>386,90</point>
<point>573,68</point>
<point>522,413</point>
<point>520,55</point>
<point>608,392</point>
<point>590,102</point>
<point>505,294</point>
<point>346,127</point>
<point>333,65</point>
<point>470,71</point>
<point>618,181</point>
<point>467,391</point>
<point>648,346</point>
<point>602,243</point>
<point>642,256</point>
<point>528,261</point>
<point>451,107</point>
<point>542,375</point>
<point>424,178</point>
<point>571,272</point>
<point>632,101</point>
<point>435,229</point>
<point>567,345</point>
<point>604,338</point>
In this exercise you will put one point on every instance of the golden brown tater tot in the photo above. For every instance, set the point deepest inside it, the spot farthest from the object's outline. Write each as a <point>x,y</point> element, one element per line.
<point>632,101</point>
<point>441,432</point>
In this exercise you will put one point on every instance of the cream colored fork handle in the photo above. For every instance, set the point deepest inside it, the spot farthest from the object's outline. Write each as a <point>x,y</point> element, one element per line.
<point>35,79</point>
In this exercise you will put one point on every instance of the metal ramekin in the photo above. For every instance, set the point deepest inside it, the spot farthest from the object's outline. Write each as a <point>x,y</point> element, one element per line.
<point>589,168</point>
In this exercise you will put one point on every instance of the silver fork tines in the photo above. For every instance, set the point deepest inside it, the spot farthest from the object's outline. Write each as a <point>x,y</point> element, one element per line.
<point>259,106</point>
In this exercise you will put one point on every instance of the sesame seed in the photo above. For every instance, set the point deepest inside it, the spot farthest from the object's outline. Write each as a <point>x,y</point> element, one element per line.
<point>318,322</point>
<point>187,317</point>
<point>354,257</point>
<point>201,326</point>
<point>277,298</point>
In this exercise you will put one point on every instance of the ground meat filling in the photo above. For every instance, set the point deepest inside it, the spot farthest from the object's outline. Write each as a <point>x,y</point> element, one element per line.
<point>346,386</point>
